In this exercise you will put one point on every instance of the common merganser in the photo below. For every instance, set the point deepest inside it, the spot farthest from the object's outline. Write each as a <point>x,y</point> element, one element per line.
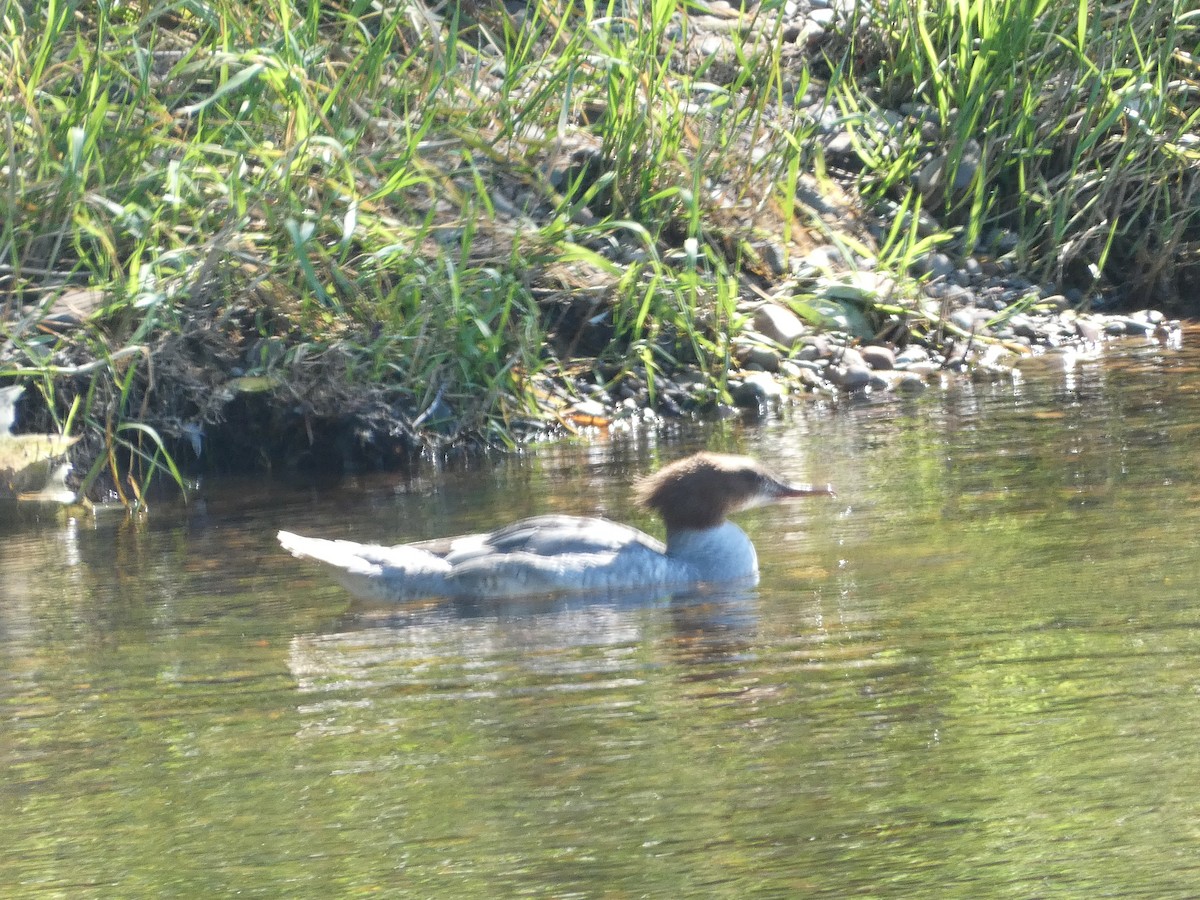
<point>556,554</point>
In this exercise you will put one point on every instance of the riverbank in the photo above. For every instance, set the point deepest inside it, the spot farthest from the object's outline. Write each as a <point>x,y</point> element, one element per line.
<point>324,234</point>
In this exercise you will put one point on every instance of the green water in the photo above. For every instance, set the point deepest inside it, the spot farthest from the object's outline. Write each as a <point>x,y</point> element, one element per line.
<point>976,673</point>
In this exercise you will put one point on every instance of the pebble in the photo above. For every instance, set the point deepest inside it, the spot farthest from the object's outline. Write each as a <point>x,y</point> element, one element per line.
<point>591,408</point>
<point>749,395</point>
<point>935,265</point>
<point>851,358</point>
<point>964,319</point>
<point>850,378</point>
<point>878,357</point>
<point>913,353</point>
<point>757,355</point>
<point>1138,328</point>
<point>812,379</point>
<point>766,384</point>
<point>815,347</point>
<point>824,18</point>
<point>840,145</point>
<point>779,324</point>
<point>1023,326</point>
<point>1090,331</point>
<point>910,383</point>
<point>924,368</point>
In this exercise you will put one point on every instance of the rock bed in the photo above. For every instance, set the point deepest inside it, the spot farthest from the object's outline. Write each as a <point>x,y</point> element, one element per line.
<point>781,357</point>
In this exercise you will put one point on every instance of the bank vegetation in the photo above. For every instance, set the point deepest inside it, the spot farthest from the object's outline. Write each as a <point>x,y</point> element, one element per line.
<point>261,233</point>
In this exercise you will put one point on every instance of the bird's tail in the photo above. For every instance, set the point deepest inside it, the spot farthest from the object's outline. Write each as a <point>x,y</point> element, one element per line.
<point>371,571</point>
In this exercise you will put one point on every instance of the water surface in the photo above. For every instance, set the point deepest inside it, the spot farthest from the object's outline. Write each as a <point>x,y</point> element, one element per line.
<point>975,673</point>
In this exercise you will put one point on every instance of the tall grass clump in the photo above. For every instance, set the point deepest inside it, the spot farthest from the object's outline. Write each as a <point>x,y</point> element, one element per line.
<point>250,225</point>
<point>1072,126</point>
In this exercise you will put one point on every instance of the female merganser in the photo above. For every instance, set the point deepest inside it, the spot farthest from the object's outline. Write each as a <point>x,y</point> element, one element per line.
<point>573,555</point>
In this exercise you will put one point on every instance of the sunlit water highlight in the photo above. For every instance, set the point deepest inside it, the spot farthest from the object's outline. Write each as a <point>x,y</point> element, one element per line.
<point>975,673</point>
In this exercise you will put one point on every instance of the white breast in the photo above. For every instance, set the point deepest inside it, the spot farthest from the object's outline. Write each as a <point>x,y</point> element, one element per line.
<point>724,553</point>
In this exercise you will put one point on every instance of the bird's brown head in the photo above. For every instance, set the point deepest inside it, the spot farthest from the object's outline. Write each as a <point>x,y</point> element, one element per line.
<point>701,490</point>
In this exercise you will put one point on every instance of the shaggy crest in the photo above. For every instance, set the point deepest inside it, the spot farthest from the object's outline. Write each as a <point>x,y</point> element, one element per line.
<point>701,490</point>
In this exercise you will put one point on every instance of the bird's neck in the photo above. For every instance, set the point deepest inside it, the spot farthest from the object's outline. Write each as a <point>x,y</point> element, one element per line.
<point>720,553</point>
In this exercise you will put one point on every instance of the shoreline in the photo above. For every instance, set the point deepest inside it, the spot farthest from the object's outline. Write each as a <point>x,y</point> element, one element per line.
<point>432,233</point>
